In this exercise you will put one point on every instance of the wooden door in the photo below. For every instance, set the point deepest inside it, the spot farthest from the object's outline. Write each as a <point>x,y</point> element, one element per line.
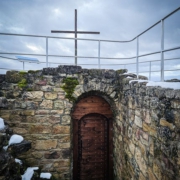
<point>93,147</point>
<point>92,140</point>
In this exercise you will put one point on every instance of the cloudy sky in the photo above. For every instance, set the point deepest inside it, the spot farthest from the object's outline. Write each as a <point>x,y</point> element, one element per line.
<point>118,20</point>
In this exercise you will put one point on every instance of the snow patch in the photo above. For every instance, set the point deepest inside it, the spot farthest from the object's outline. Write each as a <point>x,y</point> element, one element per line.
<point>45,175</point>
<point>2,126</point>
<point>29,173</point>
<point>18,161</point>
<point>15,139</point>
<point>172,85</point>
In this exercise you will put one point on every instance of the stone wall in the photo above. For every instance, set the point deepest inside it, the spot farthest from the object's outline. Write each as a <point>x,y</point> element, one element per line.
<point>38,106</point>
<point>149,127</point>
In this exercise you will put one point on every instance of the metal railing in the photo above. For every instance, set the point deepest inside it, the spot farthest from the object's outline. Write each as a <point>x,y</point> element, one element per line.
<point>99,57</point>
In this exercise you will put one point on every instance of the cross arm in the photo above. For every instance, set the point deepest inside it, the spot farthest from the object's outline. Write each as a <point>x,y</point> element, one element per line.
<point>79,32</point>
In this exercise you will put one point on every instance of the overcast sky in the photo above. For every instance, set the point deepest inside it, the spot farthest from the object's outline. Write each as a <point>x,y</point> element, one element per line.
<point>114,19</point>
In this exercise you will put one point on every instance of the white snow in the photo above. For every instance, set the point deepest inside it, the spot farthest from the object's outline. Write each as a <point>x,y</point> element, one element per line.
<point>45,175</point>
<point>2,126</point>
<point>29,173</point>
<point>15,139</point>
<point>5,147</point>
<point>172,85</point>
<point>18,161</point>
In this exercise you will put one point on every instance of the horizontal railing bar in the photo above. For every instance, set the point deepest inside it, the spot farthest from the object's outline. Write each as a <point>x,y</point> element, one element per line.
<point>96,57</point>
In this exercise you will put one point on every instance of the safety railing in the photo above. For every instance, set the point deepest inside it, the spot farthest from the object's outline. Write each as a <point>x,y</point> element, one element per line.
<point>99,57</point>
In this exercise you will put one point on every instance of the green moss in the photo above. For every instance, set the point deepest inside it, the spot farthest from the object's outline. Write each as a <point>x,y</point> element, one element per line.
<point>22,83</point>
<point>33,72</point>
<point>22,72</point>
<point>121,71</point>
<point>69,86</point>
<point>29,89</point>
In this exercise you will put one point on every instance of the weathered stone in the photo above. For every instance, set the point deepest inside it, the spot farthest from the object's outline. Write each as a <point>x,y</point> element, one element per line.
<point>33,95</point>
<point>175,104</point>
<point>52,155</point>
<point>46,104</point>
<point>62,163</point>
<point>46,88</point>
<point>3,102</point>
<point>42,112</point>
<point>39,129</point>
<point>58,104</point>
<point>66,119</point>
<point>138,121</point>
<point>157,170</point>
<point>37,155</point>
<point>58,129</point>
<point>151,175</point>
<point>45,144</point>
<point>13,76</point>
<point>163,122</point>
<point>51,95</point>
<point>149,129</point>
<point>140,161</point>
<point>64,145</point>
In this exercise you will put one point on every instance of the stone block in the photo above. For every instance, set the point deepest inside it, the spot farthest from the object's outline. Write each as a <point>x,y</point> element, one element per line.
<point>45,144</point>
<point>61,163</point>
<point>37,155</point>
<point>175,104</point>
<point>58,129</point>
<point>42,112</point>
<point>3,102</point>
<point>163,122</point>
<point>50,95</point>
<point>149,129</point>
<point>52,155</point>
<point>151,175</point>
<point>65,120</point>
<point>138,121</point>
<point>64,145</point>
<point>140,161</point>
<point>46,104</point>
<point>39,129</point>
<point>58,105</point>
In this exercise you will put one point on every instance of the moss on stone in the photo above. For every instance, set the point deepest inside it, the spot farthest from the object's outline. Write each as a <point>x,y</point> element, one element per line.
<point>121,71</point>
<point>22,72</point>
<point>33,72</point>
<point>69,86</point>
<point>22,83</point>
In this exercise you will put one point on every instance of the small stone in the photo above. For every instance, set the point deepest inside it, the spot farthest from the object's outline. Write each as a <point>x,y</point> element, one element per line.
<point>163,122</point>
<point>149,129</point>
<point>58,129</point>
<point>45,144</point>
<point>138,121</point>
<point>66,119</point>
<point>51,95</point>
<point>46,104</point>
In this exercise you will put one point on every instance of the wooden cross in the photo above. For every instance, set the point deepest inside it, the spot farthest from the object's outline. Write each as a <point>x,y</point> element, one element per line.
<point>75,33</point>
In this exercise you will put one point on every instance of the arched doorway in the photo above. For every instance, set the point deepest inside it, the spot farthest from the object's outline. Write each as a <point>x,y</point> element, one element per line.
<point>92,139</point>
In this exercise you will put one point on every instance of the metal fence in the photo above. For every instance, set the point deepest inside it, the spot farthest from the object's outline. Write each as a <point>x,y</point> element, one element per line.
<point>99,57</point>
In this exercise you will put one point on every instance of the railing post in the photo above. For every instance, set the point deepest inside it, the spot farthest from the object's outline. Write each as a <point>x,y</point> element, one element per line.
<point>46,51</point>
<point>23,65</point>
<point>137,58</point>
<point>150,70</point>
<point>162,50</point>
<point>99,59</point>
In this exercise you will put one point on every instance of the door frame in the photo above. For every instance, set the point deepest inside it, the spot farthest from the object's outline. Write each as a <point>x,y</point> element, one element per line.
<point>75,143</point>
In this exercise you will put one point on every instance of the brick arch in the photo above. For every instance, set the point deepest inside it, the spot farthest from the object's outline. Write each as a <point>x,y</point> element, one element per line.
<point>91,106</point>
